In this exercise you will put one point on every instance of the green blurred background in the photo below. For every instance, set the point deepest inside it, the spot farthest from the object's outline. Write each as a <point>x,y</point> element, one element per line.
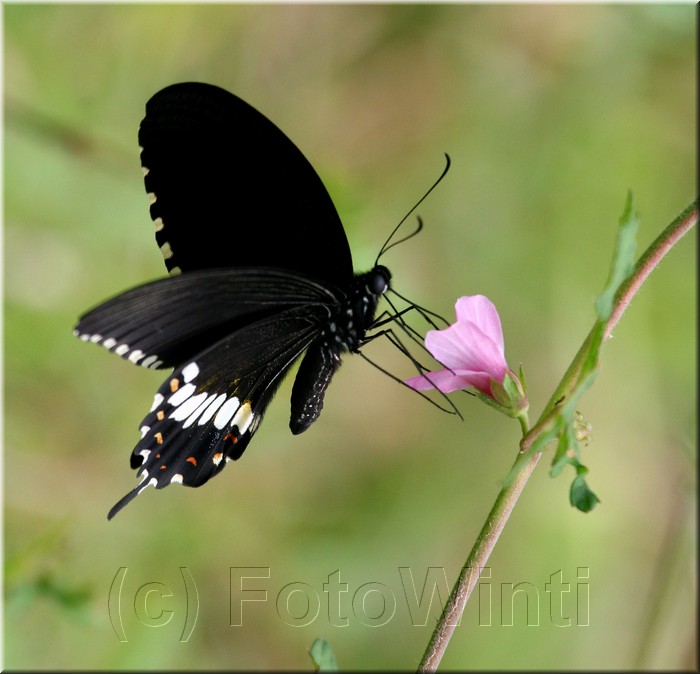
<point>550,113</point>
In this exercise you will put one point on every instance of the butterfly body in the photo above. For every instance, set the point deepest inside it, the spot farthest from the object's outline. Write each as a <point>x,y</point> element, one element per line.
<point>343,332</point>
<point>260,273</point>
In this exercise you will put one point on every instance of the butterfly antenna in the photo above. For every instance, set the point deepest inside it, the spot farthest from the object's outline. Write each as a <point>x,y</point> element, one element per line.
<point>388,244</point>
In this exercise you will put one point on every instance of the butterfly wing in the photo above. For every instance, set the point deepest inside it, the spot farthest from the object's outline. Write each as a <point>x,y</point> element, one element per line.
<point>242,214</point>
<point>233,333</point>
<point>229,189</point>
<point>207,411</point>
<point>163,323</point>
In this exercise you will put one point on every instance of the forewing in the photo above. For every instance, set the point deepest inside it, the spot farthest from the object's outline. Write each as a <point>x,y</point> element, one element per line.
<point>228,188</point>
<point>206,412</point>
<point>163,323</point>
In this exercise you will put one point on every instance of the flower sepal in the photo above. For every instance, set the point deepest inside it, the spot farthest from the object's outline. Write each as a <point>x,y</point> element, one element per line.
<point>508,396</point>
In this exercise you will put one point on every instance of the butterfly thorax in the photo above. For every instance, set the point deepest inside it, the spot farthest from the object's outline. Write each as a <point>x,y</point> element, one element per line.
<point>348,323</point>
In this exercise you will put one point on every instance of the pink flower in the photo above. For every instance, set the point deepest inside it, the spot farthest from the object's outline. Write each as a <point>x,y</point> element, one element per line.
<point>471,351</point>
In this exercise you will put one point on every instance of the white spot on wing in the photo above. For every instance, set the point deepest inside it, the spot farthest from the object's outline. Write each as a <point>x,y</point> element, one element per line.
<point>158,222</point>
<point>243,418</point>
<point>212,409</point>
<point>95,338</point>
<point>151,198</point>
<point>121,349</point>
<point>136,356</point>
<point>189,372</point>
<point>157,400</point>
<point>226,412</point>
<point>175,271</point>
<point>183,411</point>
<point>176,479</point>
<point>166,250</point>
<point>109,342</point>
<point>144,430</point>
<point>151,483</point>
<point>147,362</point>
<point>181,395</point>
<point>194,416</point>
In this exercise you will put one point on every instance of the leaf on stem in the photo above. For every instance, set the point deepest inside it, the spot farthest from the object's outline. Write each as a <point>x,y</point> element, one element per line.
<point>322,656</point>
<point>623,259</point>
<point>563,425</point>
<point>580,495</point>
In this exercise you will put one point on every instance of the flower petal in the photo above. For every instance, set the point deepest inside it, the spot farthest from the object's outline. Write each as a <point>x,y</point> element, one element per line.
<point>481,311</point>
<point>447,381</point>
<point>464,346</point>
<point>471,350</point>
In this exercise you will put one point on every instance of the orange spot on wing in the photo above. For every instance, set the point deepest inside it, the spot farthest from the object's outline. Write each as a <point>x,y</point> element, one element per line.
<point>218,457</point>
<point>230,437</point>
<point>192,460</point>
<point>160,415</point>
<point>159,438</point>
<point>162,467</point>
<point>174,384</point>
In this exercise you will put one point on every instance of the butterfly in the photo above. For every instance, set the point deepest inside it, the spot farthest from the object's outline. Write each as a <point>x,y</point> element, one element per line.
<point>261,275</point>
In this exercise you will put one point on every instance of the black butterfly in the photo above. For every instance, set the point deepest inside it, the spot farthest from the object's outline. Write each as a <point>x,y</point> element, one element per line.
<point>261,272</point>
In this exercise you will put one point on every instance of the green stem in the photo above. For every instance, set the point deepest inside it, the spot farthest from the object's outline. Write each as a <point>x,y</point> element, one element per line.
<point>468,577</point>
<point>508,496</point>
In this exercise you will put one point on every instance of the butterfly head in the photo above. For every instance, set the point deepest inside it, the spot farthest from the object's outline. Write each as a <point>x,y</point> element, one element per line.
<point>377,280</point>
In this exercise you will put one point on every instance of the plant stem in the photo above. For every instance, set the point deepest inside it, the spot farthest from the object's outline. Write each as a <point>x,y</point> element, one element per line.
<point>485,542</point>
<point>508,496</point>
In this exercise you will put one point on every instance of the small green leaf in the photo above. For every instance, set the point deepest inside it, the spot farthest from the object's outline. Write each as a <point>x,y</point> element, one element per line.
<point>581,496</point>
<point>560,460</point>
<point>322,655</point>
<point>623,259</point>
